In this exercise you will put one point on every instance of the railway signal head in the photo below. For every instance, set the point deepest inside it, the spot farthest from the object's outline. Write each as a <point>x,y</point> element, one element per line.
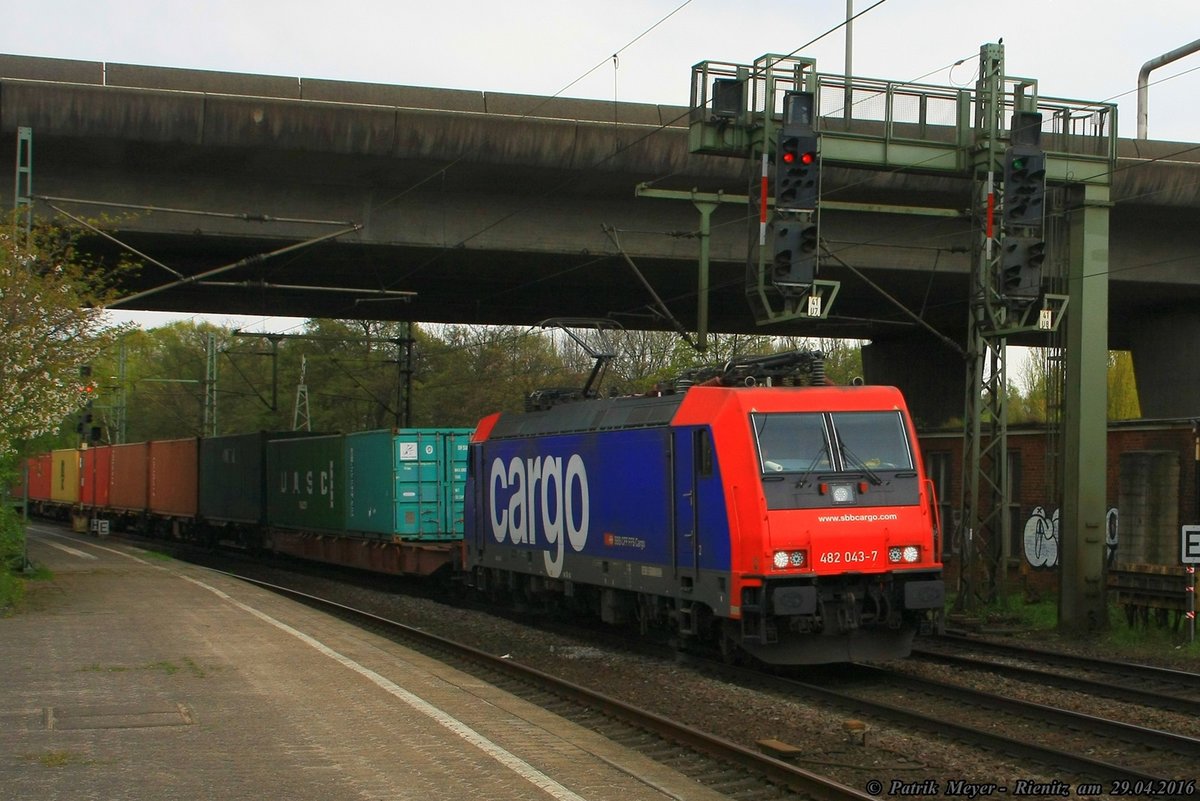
<point>794,259</point>
<point>1020,276</point>
<point>797,172</point>
<point>1024,186</point>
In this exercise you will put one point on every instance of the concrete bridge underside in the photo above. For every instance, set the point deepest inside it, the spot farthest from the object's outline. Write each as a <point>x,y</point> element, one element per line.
<point>493,208</point>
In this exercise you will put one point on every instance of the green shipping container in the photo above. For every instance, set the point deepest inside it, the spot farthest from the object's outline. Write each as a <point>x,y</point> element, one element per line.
<point>407,484</point>
<point>306,481</point>
<point>233,476</point>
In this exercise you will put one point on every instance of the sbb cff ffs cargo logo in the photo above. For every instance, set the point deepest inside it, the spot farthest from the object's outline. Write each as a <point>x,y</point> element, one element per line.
<point>540,502</point>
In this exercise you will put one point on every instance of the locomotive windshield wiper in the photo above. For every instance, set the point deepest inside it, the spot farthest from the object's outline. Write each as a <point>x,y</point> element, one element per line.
<point>803,482</point>
<point>851,458</point>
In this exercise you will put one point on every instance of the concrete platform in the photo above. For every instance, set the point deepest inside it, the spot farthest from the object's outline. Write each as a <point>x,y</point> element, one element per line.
<point>131,676</point>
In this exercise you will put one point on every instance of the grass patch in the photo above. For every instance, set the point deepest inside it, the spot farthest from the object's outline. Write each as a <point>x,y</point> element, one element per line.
<point>1014,612</point>
<point>157,556</point>
<point>167,667</point>
<point>193,668</point>
<point>12,593</point>
<point>57,759</point>
<point>1039,619</point>
<point>96,667</point>
<point>1152,641</point>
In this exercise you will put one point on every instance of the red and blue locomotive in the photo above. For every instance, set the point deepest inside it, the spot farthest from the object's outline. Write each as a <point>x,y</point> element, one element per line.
<point>795,523</point>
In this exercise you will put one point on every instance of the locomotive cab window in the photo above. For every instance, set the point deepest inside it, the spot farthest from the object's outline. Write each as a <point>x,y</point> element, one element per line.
<point>873,440</point>
<point>791,442</point>
<point>839,441</point>
<point>814,460</point>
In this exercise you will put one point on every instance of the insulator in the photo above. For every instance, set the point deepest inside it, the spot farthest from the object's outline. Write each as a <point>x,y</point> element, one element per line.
<point>818,372</point>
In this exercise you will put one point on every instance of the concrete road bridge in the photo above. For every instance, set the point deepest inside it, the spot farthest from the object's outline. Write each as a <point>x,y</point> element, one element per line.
<point>255,194</point>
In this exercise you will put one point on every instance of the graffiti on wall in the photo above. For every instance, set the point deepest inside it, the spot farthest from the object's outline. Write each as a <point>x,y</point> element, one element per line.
<point>1041,538</point>
<point>1110,538</point>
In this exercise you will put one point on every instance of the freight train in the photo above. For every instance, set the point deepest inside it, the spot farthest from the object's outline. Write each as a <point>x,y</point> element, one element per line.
<point>752,512</point>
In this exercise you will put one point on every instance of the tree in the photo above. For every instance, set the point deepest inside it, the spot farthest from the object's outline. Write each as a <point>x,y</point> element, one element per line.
<point>1041,375</point>
<point>1122,387</point>
<point>165,372</point>
<point>464,373</point>
<point>51,302</point>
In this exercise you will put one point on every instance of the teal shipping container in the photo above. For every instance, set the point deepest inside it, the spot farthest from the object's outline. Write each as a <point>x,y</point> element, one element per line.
<point>406,484</point>
<point>306,483</point>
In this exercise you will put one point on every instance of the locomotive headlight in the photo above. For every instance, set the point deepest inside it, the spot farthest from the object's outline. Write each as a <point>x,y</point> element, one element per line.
<point>785,559</point>
<point>904,553</point>
<point>842,493</point>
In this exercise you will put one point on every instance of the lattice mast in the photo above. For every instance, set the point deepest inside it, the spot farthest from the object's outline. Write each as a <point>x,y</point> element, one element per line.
<point>300,417</point>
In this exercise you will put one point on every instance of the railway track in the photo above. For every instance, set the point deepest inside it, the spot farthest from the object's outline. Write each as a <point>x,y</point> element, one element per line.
<point>1162,688</point>
<point>1089,746</point>
<point>1062,742</point>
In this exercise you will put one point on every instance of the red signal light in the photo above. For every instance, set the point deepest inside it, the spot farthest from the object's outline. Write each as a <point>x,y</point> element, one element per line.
<point>789,157</point>
<point>807,158</point>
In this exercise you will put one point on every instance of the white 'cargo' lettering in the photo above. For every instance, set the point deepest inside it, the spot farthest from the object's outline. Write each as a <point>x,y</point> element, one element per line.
<point>517,515</point>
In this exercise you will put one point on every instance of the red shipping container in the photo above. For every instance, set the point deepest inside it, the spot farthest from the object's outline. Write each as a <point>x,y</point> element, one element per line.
<point>95,477</point>
<point>173,471</point>
<point>130,474</point>
<point>39,477</point>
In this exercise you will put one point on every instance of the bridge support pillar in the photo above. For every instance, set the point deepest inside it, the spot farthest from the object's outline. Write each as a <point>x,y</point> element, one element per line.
<point>1082,525</point>
<point>1167,372</point>
<point>930,374</point>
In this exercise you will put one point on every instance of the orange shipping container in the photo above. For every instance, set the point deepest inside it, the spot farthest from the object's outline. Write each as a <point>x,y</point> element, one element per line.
<point>173,471</point>
<point>130,472</point>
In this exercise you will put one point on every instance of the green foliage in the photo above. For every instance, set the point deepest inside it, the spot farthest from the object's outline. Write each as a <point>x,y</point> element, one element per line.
<point>1041,379</point>
<point>12,591</point>
<point>50,303</point>
<point>12,539</point>
<point>1133,643</point>
<point>12,558</point>
<point>467,372</point>
<point>1122,387</point>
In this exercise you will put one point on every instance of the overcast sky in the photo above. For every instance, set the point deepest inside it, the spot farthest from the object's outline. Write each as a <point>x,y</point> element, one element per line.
<point>1076,49</point>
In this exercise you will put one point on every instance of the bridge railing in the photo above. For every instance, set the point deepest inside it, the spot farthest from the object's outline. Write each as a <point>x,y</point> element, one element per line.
<point>890,110</point>
<point>882,123</point>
